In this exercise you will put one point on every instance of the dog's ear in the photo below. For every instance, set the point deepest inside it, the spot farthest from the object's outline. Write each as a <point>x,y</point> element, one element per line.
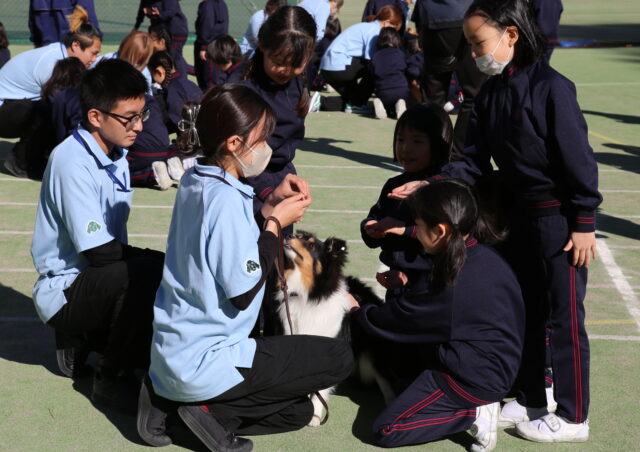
<point>335,247</point>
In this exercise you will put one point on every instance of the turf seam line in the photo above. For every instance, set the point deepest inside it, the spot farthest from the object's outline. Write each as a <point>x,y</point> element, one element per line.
<point>619,279</point>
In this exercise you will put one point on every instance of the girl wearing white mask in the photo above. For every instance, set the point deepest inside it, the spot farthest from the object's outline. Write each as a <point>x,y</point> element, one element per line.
<point>527,119</point>
<point>204,365</point>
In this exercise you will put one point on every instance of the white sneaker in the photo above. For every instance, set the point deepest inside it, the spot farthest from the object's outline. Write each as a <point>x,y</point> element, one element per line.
<point>553,429</point>
<point>175,168</point>
<point>161,175</point>
<point>485,428</point>
<point>552,405</point>
<point>378,109</point>
<point>314,104</point>
<point>401,107</point>
<point>513,413</point>
<point>330,89</point>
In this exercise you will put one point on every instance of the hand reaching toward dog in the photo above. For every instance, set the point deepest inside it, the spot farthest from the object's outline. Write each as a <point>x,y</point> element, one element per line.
<point>406,190</point>
<point>392,279</point>
<point>387,225</point>
<point>288,211</point>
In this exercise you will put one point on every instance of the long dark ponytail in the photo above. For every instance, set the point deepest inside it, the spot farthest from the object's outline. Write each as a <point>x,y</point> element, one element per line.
<point>451,202</point>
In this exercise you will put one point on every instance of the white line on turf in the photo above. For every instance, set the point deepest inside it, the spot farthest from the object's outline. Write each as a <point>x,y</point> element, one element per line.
<point>621,282</point>
<point>608,337</point>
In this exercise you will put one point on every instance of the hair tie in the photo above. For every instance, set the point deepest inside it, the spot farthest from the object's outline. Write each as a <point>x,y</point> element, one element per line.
<point>188,124</point>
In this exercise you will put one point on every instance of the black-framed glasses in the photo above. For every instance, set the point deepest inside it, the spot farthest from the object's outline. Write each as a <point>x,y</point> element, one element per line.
<point>130,121</point>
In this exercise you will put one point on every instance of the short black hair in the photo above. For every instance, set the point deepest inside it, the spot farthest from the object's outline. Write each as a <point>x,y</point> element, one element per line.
<point>160,31</point>
<point>389,38</point>
<point>224,49</point>
<point>501,14</point>
<point>4,41</point>
<point>110,81</point>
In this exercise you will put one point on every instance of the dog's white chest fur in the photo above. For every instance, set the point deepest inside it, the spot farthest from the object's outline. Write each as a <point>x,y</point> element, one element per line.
<point>315,317</point>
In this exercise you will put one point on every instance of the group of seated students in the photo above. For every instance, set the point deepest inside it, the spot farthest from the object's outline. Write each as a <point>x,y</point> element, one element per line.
<point>175,331</point>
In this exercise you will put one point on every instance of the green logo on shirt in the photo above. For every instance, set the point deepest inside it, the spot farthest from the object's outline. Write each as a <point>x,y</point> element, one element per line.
<point>93,226</point>
<point>252,266</point>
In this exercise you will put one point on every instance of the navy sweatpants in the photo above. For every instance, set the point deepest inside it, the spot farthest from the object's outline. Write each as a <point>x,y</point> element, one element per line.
<point>420,414</point>
<point>553,292</point>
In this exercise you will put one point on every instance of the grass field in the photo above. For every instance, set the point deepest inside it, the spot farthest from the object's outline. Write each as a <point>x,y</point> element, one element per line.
<point>346,158</point>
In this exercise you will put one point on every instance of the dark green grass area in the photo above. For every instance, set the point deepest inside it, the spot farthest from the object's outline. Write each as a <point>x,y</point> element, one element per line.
<point>346,154</point>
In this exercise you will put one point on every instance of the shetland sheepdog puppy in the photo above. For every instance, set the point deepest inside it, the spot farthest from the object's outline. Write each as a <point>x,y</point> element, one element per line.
<point>319,303</point>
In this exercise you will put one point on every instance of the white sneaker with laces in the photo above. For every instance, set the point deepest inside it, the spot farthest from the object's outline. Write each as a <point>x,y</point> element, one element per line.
<point>553,429</point>
<point>175,168</point>
<point>513,413</point>
<point>485,428</point>
<point>401,107</point>
<point>378,109</point>
<point>161,175</point>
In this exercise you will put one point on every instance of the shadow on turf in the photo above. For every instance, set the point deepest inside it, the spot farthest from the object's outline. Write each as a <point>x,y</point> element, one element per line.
<point>625,119</point>
<point>618,226</point>
<point>629,161</point>
<point>325,146</point>
<point>370,404</point>
<point>601,32</point>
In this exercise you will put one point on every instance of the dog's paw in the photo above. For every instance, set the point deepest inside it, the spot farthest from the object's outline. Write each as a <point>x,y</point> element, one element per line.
<point>315,421</point>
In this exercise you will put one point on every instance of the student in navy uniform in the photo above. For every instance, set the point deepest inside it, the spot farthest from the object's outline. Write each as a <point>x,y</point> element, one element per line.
<point>422,142</point>
<point>162,42</point>
<point>22,79</point>
<point>212,21</point>
<point>176,91</point>
<point>49,19</point>
<point>276,71</point>
<point>92,283</point>
<point>228,61</point>
<point>321,10</point>
<point>555,183</point>
<point>389,79</point>
<point>415,65</point>
<point>454,341</point>
<point>5,53</point>
<point>168,13</point>
<point>446,51</point>
<point>203,362</point>
<point>547,14</point>
<point>345,64</point>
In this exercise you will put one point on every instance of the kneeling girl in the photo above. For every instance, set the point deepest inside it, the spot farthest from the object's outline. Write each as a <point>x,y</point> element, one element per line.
<point>455,343</point>
<point>222,381</point>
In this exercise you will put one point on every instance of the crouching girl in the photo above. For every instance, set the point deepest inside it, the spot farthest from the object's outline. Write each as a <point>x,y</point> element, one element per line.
<point>454,343</point>
<point>203,362</point>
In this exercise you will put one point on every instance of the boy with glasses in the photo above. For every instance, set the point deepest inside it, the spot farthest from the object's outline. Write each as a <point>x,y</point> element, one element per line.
<point>94,289</point>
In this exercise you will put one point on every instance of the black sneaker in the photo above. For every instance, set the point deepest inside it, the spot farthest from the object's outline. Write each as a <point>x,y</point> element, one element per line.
<point>71,358</point>
<point>217,438</point>
<point>116,391</point>
<point>151,418</point>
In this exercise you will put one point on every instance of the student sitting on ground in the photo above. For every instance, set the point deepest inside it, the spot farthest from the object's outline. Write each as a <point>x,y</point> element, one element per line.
<point>93,285</point>
<point>388,66</point>
<point>228,61</point>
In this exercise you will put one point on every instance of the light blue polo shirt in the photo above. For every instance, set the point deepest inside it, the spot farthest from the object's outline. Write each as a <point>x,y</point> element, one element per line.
<point>358,40</point>
<point>320,10</point>
<point>24,74</point>
<point>250,39</point>
<point>80,207</point>
<point>199,337</point>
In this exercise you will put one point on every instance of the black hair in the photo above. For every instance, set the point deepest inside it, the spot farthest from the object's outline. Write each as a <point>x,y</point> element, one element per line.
<point>273,5</point>
<point>224,49</point>
<point>80,29</point>
<point>434,122</point>
<point>451,202</point>
<point>412,44</point>
<point>227,110</point>
<point>160,31</point>
<point>110,81</point>
<point>162,59</point>
<point>289,35</point>
<point>67,73</point>
<point>333,28</point>
<point>4,41</point>
<point>501,14</point>
<point>495,201</point>
<point>389,38</point>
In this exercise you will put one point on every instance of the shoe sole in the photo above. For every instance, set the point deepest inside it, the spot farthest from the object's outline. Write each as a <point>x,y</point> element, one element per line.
<point>550,440</point>
<point>143,418</point>
<point>203,435</point>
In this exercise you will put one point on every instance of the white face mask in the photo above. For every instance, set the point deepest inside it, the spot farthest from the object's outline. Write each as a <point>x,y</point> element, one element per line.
<point>260,157</point>
<point>488,64</point>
